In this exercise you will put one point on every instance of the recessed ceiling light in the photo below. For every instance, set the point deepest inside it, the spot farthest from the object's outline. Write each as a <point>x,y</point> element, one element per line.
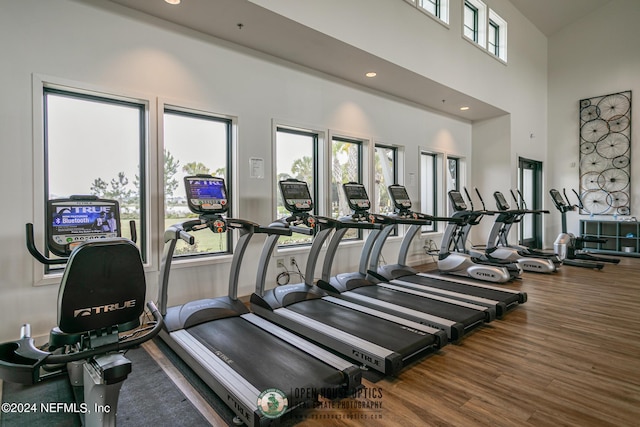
<point>464,108</point>
<point>173,1</point>
<point>371,74</point>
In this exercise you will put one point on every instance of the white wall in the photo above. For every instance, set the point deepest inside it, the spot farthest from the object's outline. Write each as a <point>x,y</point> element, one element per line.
<point>597,55</point>
<point>110,48</point>
<point>491,170</point>
<point>397,32</point>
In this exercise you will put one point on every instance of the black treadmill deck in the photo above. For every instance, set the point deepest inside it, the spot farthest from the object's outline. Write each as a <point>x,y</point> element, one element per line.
<point>509,298</point>
<point>464,315</point>
<point>265,360</point>
<point>379,331</point>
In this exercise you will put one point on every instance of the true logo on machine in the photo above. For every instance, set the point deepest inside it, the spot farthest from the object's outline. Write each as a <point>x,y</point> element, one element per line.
<point>481,273</point>
<point>101,309</point>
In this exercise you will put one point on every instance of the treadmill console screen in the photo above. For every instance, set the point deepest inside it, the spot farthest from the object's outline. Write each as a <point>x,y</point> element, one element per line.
<point>357,196</point>
<point>457,200</point>
<point>501,202</point>
<point>296,195</point>
<point>78,219</point>
<point>206,194</point>
<point>400,197</point>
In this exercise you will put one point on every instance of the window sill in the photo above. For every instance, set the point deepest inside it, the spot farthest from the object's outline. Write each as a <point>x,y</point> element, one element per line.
<point>483,49</point>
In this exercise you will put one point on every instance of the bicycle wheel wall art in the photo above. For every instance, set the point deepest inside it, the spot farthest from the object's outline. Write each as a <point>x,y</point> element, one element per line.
<point>605,154</point>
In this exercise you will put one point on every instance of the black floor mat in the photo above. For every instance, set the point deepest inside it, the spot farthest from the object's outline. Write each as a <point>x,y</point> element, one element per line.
<point>147,398</point>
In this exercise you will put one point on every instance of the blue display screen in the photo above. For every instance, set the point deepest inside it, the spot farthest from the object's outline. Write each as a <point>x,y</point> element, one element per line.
<point>206,189</point>
<point>73,221</point>
<point>84,219</point>
<point>206,194</point>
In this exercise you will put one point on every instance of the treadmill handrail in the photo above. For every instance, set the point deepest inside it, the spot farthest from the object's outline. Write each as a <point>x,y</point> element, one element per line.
<point>177,231</point>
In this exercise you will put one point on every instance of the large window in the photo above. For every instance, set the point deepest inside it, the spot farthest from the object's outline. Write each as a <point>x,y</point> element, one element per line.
<point>296,157</point>
<point>429,187</point>
<point>346,166</point>
<point>386,174</point>
<point>95,145</point>
<point>485,28</point>
<point>195,143</point>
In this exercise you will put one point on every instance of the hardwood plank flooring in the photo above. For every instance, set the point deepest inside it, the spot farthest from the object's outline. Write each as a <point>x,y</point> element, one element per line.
<point>570,356</point>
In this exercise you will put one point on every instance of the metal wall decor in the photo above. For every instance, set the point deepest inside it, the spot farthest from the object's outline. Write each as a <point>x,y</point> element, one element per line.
<point>605,154</point>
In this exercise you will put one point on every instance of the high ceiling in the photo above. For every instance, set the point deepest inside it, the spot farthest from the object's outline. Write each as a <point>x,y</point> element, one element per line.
<point>550,16</point>
<point>271,33</point>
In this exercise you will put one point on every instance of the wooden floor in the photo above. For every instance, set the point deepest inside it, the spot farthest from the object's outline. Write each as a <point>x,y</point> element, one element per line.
<point>570,356</point>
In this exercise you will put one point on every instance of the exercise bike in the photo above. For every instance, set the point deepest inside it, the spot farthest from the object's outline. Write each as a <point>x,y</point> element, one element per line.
<point>494,251</point>
<point>453,258</point>
<point>503,238</point>
<point>570,248</point>
<point>100,297</point>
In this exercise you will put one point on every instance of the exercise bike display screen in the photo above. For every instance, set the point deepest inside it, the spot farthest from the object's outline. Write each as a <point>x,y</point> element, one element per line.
<point>400,196</point>
<point>357,197</point>
<point>296,196</point>
<point>206,194</point>
<point>75,220</point>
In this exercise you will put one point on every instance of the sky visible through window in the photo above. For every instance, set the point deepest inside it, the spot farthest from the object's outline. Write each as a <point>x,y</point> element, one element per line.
<point>89,140</point>
<point>192,141</point>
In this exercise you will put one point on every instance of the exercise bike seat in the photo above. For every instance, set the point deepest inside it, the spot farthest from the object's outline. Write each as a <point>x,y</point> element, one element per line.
<point>101,294</point>
<point>102,291</point>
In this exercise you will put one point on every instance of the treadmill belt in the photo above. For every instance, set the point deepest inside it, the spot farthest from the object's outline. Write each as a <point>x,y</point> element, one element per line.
<point>264,360</point>
<point>379,331</point>
<point>497,295</point>
<point>466,316</point>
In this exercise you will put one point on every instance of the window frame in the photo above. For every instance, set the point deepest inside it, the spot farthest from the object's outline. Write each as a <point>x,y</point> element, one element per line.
<point>396,169</point>
<point>472,27</point>
<point>440,8</point>
<point>318,189</point>
<point>103,99</point>
<point>435,187</point>
<point>362,149</point>
<point>499,26</point>
<point>493,47</point>
<point>480,22</point>
<point>43,276</point>
<point>457,184</point>
<point>487,25</point>
<point>457,178</point>
<point>230,123</point>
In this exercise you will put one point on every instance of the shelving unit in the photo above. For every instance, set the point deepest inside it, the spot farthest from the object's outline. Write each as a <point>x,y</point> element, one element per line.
<point>619,234</point>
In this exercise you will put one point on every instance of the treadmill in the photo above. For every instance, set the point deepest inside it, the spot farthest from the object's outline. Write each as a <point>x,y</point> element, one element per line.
<point>502,299</point>
<point>454,317</point>
<point>247,361</point>
<point>377,340</point>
